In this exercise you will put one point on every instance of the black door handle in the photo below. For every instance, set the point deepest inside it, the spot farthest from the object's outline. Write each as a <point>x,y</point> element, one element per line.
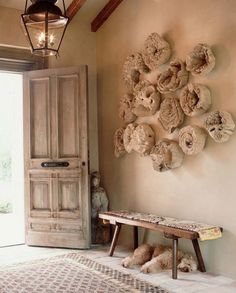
<point>55,164</point>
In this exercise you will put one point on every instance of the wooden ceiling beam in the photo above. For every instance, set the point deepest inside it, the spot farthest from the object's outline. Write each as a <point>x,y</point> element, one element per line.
<point>74,7</point>
<point>104,14</point>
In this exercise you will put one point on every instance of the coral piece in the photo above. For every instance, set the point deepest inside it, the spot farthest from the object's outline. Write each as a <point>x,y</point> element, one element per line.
<point>139,138</point>
<point>156,52</point>
<point>220,125</point>
<point>147,99</point>
<point>171,114</point>
<point>143,139</point>
<point>192,139</point>
<point>128,137</point>
<point>195,99</point>
<point>174,78</point>
<point>119,142</point>
<point>201,60</point>
<point>126,107</point>
<point>132,69</point>
<point>166,155</point>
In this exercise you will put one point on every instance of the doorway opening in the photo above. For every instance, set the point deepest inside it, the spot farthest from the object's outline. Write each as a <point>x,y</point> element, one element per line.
<point>11,160</point>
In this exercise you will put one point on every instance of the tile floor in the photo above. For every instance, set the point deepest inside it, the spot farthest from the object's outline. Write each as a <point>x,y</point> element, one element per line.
<point>187,282</point>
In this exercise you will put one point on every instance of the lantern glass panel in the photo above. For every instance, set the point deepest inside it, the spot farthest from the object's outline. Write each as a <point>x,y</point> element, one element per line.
<point>45,36</point>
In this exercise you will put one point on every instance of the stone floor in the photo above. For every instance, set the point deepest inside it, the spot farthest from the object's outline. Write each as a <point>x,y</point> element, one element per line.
<point>187,282</point>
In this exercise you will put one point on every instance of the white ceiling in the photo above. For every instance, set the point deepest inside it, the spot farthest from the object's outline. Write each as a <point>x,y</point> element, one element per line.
<point>20,4</point>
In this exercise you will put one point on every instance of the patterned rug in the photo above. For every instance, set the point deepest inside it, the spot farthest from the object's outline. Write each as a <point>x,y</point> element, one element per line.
<point>69,273</point>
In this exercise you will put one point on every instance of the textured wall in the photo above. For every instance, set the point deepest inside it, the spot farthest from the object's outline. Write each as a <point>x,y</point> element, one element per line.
<point>204,188</point>
<point>11,32</point>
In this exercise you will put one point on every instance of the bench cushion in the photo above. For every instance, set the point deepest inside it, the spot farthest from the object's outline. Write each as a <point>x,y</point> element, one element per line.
<point>205,231</point>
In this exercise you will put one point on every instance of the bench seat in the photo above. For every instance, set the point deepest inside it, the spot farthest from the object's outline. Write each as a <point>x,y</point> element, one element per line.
<point>171,227</point>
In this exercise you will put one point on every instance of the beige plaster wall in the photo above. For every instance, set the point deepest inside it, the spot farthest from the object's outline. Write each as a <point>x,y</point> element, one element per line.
<point>11,32</point>
<point>204,188</point>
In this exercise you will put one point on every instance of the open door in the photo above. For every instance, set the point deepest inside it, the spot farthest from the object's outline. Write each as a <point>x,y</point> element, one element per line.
<point>56,158</point>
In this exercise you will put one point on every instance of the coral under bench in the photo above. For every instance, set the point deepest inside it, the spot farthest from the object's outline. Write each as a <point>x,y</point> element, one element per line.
<point>171,227</point>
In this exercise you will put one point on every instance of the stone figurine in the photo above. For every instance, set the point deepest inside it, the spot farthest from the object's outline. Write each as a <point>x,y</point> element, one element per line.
<point>220,125</point>
<point>166,155</point>
<point>195,99</point>
<point>192,139</point>
<point>156,51</point>
<point>100,232</point>
<point>133,67</point>
<point>173,78</point>
<point>171,114</point>
<point>201,60</point>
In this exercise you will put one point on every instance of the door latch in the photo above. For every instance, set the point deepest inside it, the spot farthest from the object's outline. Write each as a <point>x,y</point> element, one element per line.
<point>54,164</point>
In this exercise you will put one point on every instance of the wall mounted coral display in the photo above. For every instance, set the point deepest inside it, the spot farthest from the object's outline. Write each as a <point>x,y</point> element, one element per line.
<point>166,155</point>
<point>171,115</point>
<point>220,125</point>
<point>156,51</point>
<point>170,97</point>
<point>126,109</point>
<point>201,60</point>
<point>192,139</point>
<point>174,78</point>
<point>133,67</point>
<point>119,142</point>
<point>195,99</point>
<point>146,99</point>
<point>139,138</point>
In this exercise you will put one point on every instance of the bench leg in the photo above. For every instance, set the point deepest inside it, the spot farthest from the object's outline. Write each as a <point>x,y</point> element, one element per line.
<point>135,237</point>
<point>114,239</point>
<point>197,250</point>
<point>174,257</point>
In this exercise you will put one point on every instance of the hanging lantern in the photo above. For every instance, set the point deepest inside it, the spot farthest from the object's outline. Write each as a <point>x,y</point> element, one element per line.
<point>45,26</point>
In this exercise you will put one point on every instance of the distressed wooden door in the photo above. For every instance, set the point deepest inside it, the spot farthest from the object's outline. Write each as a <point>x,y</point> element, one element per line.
<point>56,158</point>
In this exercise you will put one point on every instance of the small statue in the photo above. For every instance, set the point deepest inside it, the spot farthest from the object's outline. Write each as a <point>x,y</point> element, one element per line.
<point>100,232</point>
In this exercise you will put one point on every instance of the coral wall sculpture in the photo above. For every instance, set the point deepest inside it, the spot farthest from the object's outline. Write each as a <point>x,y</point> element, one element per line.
<point>174,78</point>
<point>119,150</point>
<point>147,99</point>
<point>133,67</point>
<point>220,125</point>
<point>192,139</point>
<point>201,60</point>
<point>126,109</point>
<point>166,155</point>
<point>195,99</point>
<point>156,51</point>
<point>139,138</point>
<point>171,115</point>
<point>172,97</point>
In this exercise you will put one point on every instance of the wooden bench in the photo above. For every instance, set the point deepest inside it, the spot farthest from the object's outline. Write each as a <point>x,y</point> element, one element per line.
<point>169,232</point>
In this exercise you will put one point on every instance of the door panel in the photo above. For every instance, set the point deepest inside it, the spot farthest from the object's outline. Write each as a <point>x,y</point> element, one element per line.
<point>55,123</point>
<point>69,198</point>
<point>40,118</point>
<point>68,111</point>
<point>40,196</point>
